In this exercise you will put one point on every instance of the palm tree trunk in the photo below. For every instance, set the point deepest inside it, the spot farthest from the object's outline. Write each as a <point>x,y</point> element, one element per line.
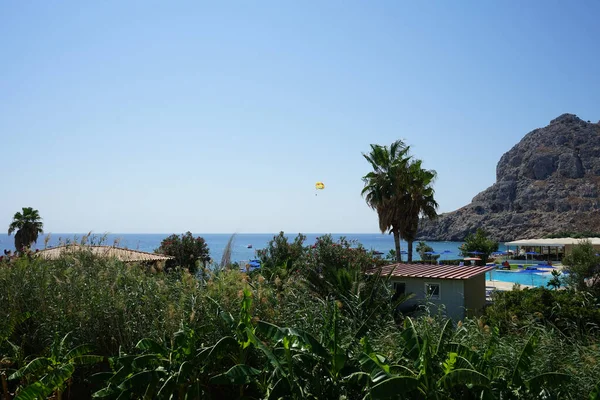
<point>397,244</point>
<point>410,248</point>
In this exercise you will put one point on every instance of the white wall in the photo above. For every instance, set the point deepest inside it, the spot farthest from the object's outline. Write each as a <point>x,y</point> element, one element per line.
<point>452,294</point>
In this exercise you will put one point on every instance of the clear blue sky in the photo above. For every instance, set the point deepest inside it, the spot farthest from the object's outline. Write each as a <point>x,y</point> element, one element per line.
<point>220,116</point>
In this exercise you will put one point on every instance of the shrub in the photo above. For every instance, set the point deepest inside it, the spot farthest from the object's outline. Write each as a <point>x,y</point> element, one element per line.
<point>187,250</point>
<point>583,266</point>
<point>479,242</point>
<point>280,254</point>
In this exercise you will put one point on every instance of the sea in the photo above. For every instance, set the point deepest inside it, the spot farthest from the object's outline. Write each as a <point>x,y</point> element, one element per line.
<point>244,244</point>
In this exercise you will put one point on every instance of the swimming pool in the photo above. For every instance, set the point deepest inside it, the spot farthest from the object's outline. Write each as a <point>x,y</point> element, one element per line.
<point>522,277</point>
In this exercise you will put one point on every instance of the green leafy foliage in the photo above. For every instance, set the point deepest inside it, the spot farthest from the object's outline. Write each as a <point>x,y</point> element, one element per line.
<point>423,248</point>
<point>28,226</point>
<point>293,334</point>
<point>46,375</point>
<point>280,254</point>
<point>479,242</point>
<point>188,251</point>
<point>583,267</point>
<point>573,312</point>
<point>400,190</point>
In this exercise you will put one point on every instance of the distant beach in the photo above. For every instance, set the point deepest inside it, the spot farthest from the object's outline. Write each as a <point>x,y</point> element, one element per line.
<point>217,242</point>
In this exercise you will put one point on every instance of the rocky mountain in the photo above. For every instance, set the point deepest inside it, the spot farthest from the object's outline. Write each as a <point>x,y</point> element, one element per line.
<point>548,183</point>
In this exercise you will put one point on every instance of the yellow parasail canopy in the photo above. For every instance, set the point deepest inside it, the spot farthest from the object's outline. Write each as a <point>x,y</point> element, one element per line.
<point>319,185</point>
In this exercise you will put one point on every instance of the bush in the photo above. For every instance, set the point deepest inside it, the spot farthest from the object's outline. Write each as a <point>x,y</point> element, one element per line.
<point>186,249</point>
<point>575,313</point>
<point>480,243</point>
<point>280,254</point>
<point>583,266</point>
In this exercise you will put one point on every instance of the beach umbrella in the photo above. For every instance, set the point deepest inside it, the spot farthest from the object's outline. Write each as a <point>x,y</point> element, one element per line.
<point>446,252</point>
<point>531,253</point>
<point>431,253</point>
<point>476,252</point>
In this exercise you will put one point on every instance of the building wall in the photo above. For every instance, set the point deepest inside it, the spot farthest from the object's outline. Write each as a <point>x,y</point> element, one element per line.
<point>452,295</point>
<point>475,294</point>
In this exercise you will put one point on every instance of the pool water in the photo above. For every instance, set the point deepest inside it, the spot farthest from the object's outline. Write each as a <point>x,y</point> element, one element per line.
<point>522,277</point>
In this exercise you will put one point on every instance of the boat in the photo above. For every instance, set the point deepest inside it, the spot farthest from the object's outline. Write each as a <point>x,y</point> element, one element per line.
<point>249,246</point>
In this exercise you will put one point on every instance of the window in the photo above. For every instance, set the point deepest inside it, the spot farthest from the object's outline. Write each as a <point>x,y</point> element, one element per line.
<point>433,291</point>
<point>399,290</point>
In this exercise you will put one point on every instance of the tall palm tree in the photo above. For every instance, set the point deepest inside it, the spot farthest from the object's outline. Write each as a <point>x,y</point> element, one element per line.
<point>417,201</point>
<point>28,225</point>
<point>382,187</point>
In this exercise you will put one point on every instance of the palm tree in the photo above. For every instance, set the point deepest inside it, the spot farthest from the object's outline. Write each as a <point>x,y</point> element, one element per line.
<point>417,201</point>
<point>382,187</point>
<point>28,225</point>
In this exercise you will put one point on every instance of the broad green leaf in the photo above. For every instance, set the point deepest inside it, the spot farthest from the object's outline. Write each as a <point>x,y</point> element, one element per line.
<point>219,349</point>
<point>280,390</point>
<point>358,378</point>
<point>34,391</point>
<point>444,336</point>
<point>107,391</point>
<point>524,361</point>
<point>237,375</point>
<point>269,331</point>
<point>77,351</point>
<point>138,382</point>
<point>464,377</point>
<point>145,360</point>
<point>267,352</point>
<point>34,366</point>
<point>56,378</point>
<point>411,339</point>
<point>168,387</point>
<point>185,370</point>
<point>547,380</point>
<point>88,359</point>
<point>391,387</point>
<point>152,345</point>
<point>121,374</point>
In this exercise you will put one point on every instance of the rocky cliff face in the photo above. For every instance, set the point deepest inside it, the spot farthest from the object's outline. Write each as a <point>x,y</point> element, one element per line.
<point>548,183</point>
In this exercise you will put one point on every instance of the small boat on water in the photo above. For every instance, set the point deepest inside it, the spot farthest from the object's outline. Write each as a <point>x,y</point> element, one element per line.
<point>249,246</point>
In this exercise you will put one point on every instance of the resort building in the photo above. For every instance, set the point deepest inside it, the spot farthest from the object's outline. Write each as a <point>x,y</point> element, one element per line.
<point>461,289</point>
<point>553,248</point>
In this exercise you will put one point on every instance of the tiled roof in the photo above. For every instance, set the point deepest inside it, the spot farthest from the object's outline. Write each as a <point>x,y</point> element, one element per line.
<point>121,254</point>
<point>432,271</point>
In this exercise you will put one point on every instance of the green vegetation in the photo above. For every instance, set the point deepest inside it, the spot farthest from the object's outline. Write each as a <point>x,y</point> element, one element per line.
<point>188,251</point>
<point>583,268</point>
<point>480,244</point>
<point>401,192</point>
<point>423,248</point>
<point>27,225</point>
<point>311,325</point>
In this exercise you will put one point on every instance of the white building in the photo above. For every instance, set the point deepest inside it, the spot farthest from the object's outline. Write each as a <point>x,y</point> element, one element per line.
<point>461,289</point>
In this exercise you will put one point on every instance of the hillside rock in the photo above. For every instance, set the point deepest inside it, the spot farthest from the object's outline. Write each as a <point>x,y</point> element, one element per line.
<point>547,183</point>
